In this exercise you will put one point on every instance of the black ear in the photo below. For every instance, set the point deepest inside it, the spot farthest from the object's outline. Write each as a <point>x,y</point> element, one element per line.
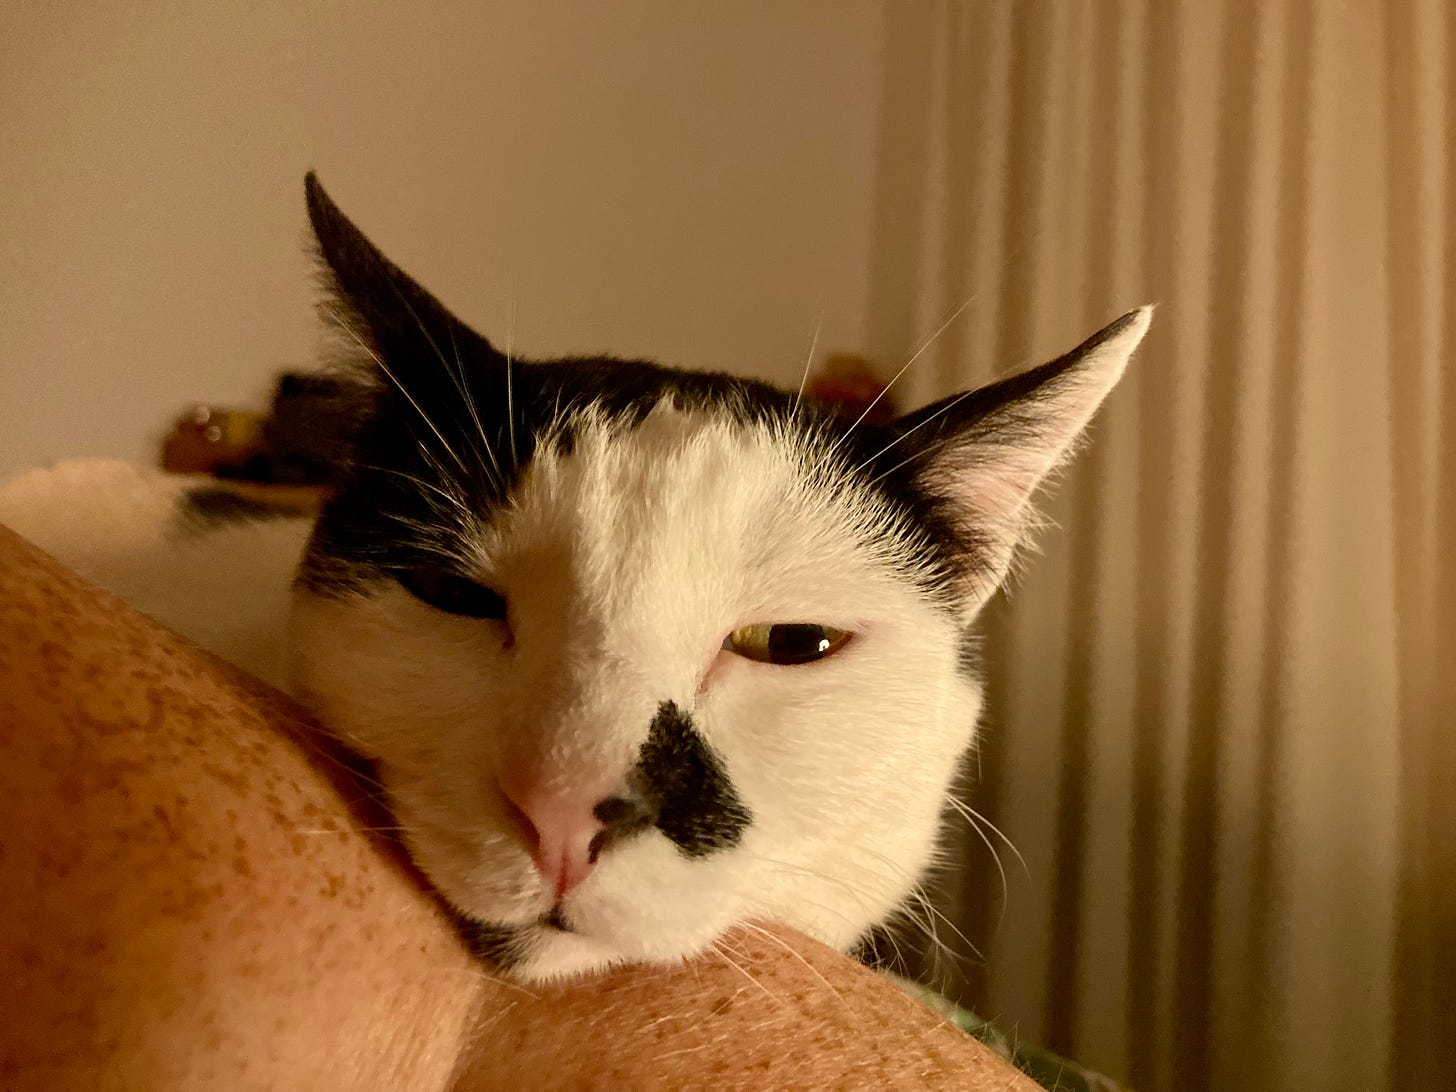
<point>408,330</point>
<point>982,454</point>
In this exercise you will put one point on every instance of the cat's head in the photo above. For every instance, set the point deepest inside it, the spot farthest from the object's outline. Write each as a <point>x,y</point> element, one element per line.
<point>643,653</point>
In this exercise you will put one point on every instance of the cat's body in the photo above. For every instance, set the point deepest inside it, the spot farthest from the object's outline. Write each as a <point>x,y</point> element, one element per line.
<point>135,531</point>
<point>638,653</point>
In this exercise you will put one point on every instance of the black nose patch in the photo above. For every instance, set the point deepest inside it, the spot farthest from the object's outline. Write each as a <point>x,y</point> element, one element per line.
<point>682,783</point>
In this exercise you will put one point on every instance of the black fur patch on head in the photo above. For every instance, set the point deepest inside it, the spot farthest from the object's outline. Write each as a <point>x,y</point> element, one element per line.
<point>476,444</point>
<point>682,780</point>
<point>946,549</point>
<point>474,440</point>
<point>207,508</point>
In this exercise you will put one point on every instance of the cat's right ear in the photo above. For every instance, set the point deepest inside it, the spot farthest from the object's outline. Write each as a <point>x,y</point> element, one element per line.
<point>981,456</point>
<point>381,308</point>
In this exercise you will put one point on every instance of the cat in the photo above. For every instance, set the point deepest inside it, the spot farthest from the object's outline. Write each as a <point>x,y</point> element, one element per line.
<point>638,653</point>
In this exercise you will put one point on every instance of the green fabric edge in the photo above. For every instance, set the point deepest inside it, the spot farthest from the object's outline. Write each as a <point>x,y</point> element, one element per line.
<point>1051,1071</point>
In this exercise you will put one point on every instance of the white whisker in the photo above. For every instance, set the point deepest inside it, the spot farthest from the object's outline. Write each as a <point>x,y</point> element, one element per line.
<point>780,942</point>
<point>440,355</point>
<point>976,818</point>
<point>420,483</point>
<point>510,400</point>
<point>929,904</point>
<point>458,377</point>
<point>926,344</point>
<point>916,355</point>
<point>383,367</point>
<point>995,856</point>
<point>718,949</point>
<point>809,360</point>
<point>952,404</point>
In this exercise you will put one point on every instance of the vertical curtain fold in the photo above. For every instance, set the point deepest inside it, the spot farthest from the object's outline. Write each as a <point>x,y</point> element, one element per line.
<point>1152,622</point>
<point>1411,1062</point>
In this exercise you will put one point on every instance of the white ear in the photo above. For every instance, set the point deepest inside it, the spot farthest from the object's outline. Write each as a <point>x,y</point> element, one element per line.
<point>982,454</point>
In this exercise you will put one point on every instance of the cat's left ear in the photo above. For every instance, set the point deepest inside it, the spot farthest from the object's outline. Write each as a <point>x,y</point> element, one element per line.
<point>407,329</point>
<point>981,455</point>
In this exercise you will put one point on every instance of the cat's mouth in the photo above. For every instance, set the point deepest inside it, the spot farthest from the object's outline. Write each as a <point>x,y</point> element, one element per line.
<point>507,946</point>
<point>502,946</point>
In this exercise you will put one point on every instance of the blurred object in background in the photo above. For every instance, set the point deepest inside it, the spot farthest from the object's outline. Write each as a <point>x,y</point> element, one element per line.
<point>300,441</point>
<point>306,432</point>
<point>852,385</point>
<point>209,439</point>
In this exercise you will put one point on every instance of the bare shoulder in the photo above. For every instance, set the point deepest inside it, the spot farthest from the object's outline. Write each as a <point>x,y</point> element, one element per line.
<point>769,1008</point>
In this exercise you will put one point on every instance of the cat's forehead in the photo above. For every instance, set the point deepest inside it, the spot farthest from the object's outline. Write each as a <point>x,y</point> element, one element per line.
<point>672,466</point>
<point>679,497</point>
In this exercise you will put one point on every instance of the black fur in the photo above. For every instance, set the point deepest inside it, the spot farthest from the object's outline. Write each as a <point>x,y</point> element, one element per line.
<point>500,945</point>
<point>683,785</point>
<point>207,508</point>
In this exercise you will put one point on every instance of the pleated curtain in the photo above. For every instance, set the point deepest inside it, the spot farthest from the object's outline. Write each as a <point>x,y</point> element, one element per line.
<point>1220,728</point>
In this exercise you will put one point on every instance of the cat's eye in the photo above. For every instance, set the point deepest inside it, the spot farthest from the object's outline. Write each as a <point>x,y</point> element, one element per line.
<point>454,594</point>
<point>786,642</point>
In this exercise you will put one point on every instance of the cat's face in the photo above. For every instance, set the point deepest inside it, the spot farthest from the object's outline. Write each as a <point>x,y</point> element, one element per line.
<point>642,654</point>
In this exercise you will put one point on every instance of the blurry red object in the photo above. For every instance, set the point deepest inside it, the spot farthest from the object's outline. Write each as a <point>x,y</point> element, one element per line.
<point>851,385</point>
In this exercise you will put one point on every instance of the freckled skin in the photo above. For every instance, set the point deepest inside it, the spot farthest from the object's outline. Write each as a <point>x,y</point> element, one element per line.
<point>169,925</point>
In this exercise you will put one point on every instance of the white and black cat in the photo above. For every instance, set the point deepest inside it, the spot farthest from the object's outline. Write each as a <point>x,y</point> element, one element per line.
<point>639,653</point>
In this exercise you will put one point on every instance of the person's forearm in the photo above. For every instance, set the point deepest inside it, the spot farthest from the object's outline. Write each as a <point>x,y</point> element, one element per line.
<point>190,901</point>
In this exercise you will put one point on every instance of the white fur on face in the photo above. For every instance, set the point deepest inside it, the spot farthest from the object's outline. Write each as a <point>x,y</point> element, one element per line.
<point>625,564</point>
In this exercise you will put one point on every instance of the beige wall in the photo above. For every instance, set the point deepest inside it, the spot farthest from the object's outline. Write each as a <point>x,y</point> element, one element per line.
<point>636,178</point>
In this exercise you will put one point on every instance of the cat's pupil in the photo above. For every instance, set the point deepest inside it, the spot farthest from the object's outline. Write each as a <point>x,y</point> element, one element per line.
<point>452,593</point>
<point>794,643</point>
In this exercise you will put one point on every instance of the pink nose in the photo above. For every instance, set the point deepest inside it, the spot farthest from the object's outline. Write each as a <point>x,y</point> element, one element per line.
<point>557,826</point>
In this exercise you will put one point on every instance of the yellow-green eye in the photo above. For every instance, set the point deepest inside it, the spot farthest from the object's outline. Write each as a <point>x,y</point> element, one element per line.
<point>786,642</point>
